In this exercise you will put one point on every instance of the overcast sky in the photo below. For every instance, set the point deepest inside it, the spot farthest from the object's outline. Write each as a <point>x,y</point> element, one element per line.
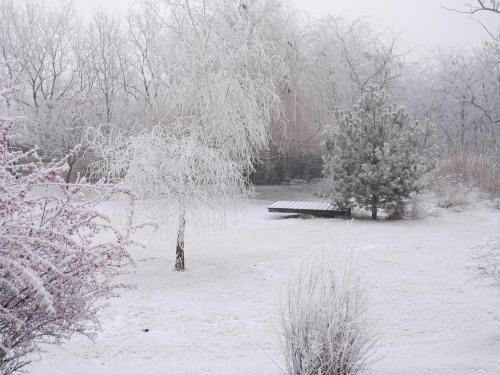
<point>424,23</point>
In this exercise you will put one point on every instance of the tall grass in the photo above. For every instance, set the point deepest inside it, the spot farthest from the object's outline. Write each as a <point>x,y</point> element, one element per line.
<point>324,323</point>
<point>472,169</point>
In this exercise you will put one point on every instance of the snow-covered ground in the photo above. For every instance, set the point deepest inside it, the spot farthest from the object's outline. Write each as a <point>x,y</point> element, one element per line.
<point>218,317</point>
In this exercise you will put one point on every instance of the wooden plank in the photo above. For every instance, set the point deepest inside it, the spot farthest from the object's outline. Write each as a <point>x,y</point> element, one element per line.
<point>324,209</point>
<point>318,206</point>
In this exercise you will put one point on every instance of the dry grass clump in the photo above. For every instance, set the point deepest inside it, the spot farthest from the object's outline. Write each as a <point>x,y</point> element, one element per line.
<point>324,323</point>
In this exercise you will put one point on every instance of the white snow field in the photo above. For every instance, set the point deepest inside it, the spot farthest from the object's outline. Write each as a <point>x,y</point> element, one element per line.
<point>218,317</point>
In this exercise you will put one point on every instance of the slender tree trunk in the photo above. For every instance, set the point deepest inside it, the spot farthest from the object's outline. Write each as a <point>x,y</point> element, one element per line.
<point>374,206</point>
<point>179,250</point>
<point>71,163</point>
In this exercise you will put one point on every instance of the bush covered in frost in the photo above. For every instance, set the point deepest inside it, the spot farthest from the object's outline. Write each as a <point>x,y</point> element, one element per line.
<point>324,323</point>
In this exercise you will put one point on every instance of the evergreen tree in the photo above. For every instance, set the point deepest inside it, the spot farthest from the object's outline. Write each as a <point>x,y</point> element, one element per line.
<point>376,155</point>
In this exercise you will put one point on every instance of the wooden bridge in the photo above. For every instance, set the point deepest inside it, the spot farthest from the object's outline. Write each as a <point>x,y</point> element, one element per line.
<point>321,209</point>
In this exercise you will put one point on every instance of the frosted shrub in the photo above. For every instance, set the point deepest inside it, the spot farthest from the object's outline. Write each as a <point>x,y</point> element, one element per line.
<point>324,323</point>
<point>416,207</point>
<point>54,263</point>
<point>452,191</point>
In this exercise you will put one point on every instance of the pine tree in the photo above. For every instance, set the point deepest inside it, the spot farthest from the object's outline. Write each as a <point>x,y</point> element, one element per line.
<point>376,154</point>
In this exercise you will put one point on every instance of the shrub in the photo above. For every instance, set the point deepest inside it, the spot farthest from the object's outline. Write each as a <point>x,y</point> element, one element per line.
<point>54,263</point>
<point>324,323</point>
<point>416,207</point>
<point>452,191</point>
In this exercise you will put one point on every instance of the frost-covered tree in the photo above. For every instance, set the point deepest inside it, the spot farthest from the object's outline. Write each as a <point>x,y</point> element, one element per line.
<point>42,49</point>
<point>459,92</point>
<point>155,65</point>
<point>180,170</point>
<point>221,98</point>
<point>58,254</point>
<point>105,44</point>
<point>376,154</point>
<point>144,77</point>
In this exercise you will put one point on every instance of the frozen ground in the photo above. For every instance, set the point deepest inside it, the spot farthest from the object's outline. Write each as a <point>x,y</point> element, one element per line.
<point>218,317</point>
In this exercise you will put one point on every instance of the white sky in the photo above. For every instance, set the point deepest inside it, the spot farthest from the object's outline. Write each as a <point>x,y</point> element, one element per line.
<point>424,23</point>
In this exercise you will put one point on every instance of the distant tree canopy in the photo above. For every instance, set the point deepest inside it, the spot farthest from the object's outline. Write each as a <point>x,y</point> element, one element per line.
<point>162,62</point>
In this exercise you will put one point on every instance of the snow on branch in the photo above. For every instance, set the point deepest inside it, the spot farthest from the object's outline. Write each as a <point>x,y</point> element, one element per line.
<point>157,164</point>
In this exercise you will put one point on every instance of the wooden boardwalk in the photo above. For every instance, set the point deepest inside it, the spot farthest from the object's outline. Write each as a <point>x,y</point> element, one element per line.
<point>321,209</point>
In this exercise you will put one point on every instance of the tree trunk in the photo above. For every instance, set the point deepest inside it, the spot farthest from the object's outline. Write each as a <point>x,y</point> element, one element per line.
<point>71,163</point>
<point>374,206</point>
<point>179,250</point>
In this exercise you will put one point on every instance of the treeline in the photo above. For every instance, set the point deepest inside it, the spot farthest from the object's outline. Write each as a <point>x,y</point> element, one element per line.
<point>130,71</point>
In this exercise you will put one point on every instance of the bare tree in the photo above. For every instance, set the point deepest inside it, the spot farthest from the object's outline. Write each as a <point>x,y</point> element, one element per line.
<point>39,40</point>
<point>370,57</point>
<point>144,63</point>
<point>105,41</point>
<point>478,6</point>
<point>41,48</point>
